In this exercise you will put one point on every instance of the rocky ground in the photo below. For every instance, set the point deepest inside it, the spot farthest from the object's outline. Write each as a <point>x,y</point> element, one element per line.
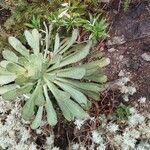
<point>121,120</point>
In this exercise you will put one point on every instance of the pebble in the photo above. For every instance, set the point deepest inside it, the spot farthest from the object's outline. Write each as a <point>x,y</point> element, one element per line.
<point>111,50</point>
<point>142,100</point>
<point>121,73</point>
<point>120,57</point>
<point>117,40</point>
<point>146,56</point>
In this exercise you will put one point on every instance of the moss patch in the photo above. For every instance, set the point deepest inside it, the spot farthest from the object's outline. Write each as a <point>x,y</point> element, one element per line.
<point>22,12</point>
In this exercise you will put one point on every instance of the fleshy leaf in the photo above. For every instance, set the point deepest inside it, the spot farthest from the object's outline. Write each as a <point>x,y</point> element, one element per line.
<point>10,56</point>
<point>71,41</point>
<point>75,94</point>
<point>59,95</point>
<point>6,88</point>
<point>33,40</point>
<point>85,86</point>
<point>7,78</point>
<point>70,109</point>
<point>57,43</point>
<point>36,37</point>
<point>23,61</point>
<point>38,118</point>
<point>4,63</point>
<point>35,66</point>
<point>13,94</point>
<point>97,78</point>
<point>76,56</point>
<point>17,45</point>
<point>40,100</point>
<point>91,94</point>
<point>74,72</point>
<point>3,71</point>
<point>21,79</point>
<point>51,113</point>
<point>55,62</point>
<point>14,68</point>
<point>98,63</point>
<point>28,109</point>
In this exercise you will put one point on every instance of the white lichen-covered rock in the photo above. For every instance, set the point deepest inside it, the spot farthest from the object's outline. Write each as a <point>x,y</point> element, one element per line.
<point>142,100</point>
<point>112,127</point>
<point>13,132</point>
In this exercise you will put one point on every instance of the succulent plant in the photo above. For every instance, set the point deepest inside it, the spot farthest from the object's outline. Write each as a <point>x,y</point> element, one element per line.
<point>51,78</point>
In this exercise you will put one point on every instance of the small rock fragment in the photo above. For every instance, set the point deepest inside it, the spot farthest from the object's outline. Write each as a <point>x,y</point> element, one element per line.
<point>120,57</point>
<point>111,50</point>
<point>142,100</point>
<point>145,56</point>
<point>131,90</point>
<point>121,73</point>
<point>125,97</point>
<point>116,40</point>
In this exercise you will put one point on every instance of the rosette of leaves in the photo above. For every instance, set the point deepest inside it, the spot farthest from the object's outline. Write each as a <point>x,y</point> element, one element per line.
<point>97,27</point>
<point>50,77</point>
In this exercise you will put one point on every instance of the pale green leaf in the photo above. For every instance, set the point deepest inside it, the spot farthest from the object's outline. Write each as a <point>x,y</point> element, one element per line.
<point>17,45</point>
<point>57,43</point>
<point>23,61</point>
<point>74,48</point>
<point>10,56</point>
<point>91,71</point>
<point>91,94</point>
<point>63,44</point>
<point>75,94</point>
<point>6,88</point>
<point>97,78</point>
<point>70,109</point>
<point>33,40</point>
<point>35,66</point>
<point>82,85</point>
<point>51,77</point>
<point>38,118</point>
<point>14,93</point>
<point>98,63</point>
<point>40,100</point>
<point>4,63</point>
<point>74,73</point>
<point>3,71</point>
<point>76,56</point>
<point>22,79</point>
<point>71,41</point>
<point>36,37</point>
<point>59,95</point>
<point>51,113</point>
<point>28,108</point>
<point>55,62</point>
<point>7,78</point>
<point>56,91</point>
<point>14,68</point>
<point>56,59</point>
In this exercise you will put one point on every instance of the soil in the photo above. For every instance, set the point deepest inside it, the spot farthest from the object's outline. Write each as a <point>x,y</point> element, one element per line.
<point>4,14</point>
<point>129,39</point>
<point>134,27</point>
